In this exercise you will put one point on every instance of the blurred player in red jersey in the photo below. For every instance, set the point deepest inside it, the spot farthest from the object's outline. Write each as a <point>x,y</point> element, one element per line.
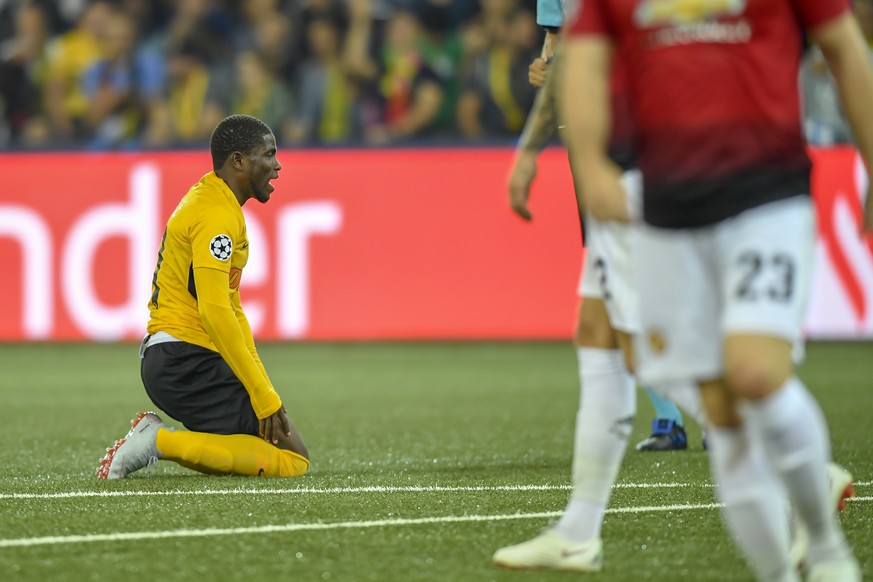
<point>608,320</point>
<point>725,248</point>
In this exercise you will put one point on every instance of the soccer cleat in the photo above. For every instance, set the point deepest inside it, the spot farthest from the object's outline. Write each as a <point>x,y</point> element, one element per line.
<point>845,570</point>
<point>841,487</point>
<point>136,450</point>
<point>840,490</point>
<point>666,436</point>
<point>549,550</point>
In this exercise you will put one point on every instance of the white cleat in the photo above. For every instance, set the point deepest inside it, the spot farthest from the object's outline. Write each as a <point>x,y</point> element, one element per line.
<point>841,486</point>
<point>550,550</point>
<point>840,491</point>
<point>846,570</point>
<point>136,450</point>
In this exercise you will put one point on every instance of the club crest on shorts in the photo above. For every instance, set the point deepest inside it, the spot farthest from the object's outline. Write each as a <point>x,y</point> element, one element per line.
<point>221,247</point>
<point>657,342</point>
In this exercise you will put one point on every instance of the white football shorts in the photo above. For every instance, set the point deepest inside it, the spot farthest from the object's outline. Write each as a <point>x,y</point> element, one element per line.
<point>607,269</point>
<point>747,274</point>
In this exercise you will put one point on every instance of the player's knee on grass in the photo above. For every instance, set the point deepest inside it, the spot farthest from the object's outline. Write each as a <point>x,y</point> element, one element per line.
<point>593,329</point>
<point>756,366</point>
<point>293,443</point>
<point>292,464</point>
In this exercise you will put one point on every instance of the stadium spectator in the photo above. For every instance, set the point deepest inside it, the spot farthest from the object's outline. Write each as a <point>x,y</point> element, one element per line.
<point>191,107</point>
<point>443,50</point>
<point>408,91</point>
<point>206,20</point>
<point>401,59</point>
<point>824,122</point>
<point>327,111</point>
<point>124,88</point>
<point>269,31</point>
<point>496,95</point>
<point>150,17</point>
<point>259,93</point>
<point>23,66</point>
<point>70,56</point>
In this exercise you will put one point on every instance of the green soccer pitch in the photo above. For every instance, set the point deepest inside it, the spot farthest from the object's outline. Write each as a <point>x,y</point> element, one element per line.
<point>426,458</point>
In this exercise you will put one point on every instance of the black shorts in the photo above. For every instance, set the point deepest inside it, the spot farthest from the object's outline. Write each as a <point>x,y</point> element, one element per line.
<point>196,387</point>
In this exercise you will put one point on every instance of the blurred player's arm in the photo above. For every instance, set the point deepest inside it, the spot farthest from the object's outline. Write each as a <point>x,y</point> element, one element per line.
<point>536,72</point>
<point>846,52</point>
<point>550,15</point>
<point>223,327</point>
<point>538,130</point>
<point>583,78</point>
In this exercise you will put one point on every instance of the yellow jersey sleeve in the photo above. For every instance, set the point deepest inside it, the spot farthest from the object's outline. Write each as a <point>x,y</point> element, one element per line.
<point>223,328</point>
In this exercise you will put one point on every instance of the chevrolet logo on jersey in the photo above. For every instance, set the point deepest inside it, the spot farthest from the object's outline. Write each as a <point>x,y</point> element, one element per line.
<point>659,12</point>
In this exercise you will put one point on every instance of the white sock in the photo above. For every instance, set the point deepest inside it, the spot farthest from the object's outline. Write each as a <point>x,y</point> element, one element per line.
<point>755,502</point>
<point>795,437</point>
<point>603,425</point>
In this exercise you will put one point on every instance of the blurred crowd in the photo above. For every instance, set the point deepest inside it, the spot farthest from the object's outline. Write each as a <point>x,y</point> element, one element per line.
<point>119,74</point>
<point>824,120</point>
<point>132,74</point>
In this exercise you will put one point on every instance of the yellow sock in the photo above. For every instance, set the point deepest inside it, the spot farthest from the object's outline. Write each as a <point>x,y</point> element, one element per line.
<point>240,454</point>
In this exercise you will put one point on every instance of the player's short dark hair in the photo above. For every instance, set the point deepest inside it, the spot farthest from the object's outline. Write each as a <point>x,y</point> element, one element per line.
<point>237,133</point>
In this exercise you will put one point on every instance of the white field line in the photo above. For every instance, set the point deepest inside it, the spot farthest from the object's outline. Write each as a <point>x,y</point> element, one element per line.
<point>291,527</point>
<point>341,490</point>
<point>337,490</point>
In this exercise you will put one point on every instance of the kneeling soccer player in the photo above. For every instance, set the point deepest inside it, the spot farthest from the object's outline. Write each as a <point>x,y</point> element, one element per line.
<point>199,362</point>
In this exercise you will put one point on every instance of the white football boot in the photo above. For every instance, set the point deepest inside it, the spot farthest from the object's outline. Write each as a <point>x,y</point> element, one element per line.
<point>136,450</point>
<point>845,570</point>
<point>549,550</point>
<point>840,491</point>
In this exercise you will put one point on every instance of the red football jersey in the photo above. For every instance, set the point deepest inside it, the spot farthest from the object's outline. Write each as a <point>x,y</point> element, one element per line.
<point>621,146</point>
<point>714,96</point>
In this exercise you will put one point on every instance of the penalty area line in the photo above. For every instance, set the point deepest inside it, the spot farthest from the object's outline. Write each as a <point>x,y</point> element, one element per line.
<point>294,527</point>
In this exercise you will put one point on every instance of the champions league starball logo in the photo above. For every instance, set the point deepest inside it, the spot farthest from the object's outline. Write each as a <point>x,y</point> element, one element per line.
<point>221,247</point>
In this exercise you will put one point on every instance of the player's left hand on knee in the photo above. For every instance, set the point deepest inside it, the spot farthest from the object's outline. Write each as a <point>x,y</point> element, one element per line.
<point>270,427</point>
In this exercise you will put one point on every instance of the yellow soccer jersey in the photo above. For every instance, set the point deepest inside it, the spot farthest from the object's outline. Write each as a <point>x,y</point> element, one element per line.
<point>207,233</point>
<point>207,229</point>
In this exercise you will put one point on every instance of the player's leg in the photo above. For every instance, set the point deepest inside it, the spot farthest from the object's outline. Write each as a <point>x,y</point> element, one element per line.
<point>668,431</point>
<point>668,426</point>
<point>236,454</point>
<point>603,425</point>
<point>196,387</point>
<point>680,341</point>
<point>766,285</point>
